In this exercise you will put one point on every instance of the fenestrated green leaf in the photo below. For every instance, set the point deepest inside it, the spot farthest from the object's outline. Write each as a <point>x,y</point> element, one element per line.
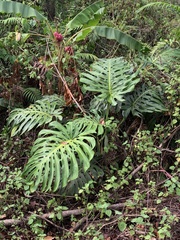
<point>19,8</point>
<point>111,79</point>
<point>143,100</point>
<point>89,16</point>
<point>42,112</point>
<point>59,153</point>
<point>93,173</point>
<point>120,37</point>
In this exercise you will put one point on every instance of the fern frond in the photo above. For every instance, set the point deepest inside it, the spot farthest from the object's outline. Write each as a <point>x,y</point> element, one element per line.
<point>162,5</point>
<point>111,79</point>
<point>86,56</point>
<point>12,21</point>
<point>32,94</point>
<point>163,55</point>
<point>36,115</point>
<point>143,100</point>
<point>59,154</point>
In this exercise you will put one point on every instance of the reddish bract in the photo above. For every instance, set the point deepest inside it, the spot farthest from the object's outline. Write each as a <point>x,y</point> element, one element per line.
<point>58,36</point>
<point>69,50</point>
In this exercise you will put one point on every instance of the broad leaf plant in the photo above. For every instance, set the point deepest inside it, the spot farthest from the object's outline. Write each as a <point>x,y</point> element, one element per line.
<point>65,147</point>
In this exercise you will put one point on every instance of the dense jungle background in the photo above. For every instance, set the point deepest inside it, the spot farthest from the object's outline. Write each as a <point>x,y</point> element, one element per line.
<point>89,119</point>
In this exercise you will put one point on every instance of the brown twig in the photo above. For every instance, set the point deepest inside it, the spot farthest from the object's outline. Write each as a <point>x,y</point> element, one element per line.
<point>9,222</point>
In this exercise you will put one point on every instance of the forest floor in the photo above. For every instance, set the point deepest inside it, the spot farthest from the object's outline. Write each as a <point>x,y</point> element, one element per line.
<point>16,206</point>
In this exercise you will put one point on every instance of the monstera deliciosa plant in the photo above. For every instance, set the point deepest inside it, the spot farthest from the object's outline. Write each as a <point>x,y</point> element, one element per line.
<point>65,150</point>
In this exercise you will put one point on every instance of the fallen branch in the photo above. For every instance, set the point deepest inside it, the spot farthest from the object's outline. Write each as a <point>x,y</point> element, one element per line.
<point>66,213</point>
<point>75,212</point>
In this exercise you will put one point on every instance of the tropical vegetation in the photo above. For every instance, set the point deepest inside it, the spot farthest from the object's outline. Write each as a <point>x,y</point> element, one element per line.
<point>90,126</point>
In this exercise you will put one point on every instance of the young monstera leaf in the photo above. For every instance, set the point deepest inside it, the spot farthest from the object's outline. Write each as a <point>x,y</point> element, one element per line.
<point>144,99</point>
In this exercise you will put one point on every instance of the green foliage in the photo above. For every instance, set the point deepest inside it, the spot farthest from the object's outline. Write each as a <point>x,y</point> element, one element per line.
<point>14,204</point>
<point>59,153</point>
<point>36,115</point>
<point>122,168</point>
<point>88,17</point>
<point>86,20</point>
<point>162,5</point>
<point>143,100</point>
<point>86,56</point>
<point>121,38</point>
<point>32,94</point>
<point>164,55</point>
<point>93,173</point>
<point>111,79</point>
<point>12,21</point>
<point>19,8</point>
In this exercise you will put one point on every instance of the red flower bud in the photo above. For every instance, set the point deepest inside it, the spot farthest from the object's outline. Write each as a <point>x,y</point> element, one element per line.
<point>69,50</point>
<point>58,36</point>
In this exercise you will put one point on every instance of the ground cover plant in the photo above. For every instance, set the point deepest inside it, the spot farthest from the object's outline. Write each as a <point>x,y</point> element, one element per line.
<point>89,133</point>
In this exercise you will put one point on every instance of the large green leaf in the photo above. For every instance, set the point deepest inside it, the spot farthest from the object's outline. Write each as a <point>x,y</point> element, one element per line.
<point>92,174</point>
<point>18,8</point>
<point>88,17</point>
<point>143,100</point>
<point>111,79</point>
<point>42,112</point>
<point>120,37</point>
<point>59,154</point>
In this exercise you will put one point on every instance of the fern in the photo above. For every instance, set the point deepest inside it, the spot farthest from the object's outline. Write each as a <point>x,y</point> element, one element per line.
<point>36,115</point>
<point>59,154</point>
<point>12,21</point>
<point>32,94</point>
<point>111,79</point>
<point>162,5</point>
<point>143,100</point>
<point>86,56</point>
<point>163,55</point>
